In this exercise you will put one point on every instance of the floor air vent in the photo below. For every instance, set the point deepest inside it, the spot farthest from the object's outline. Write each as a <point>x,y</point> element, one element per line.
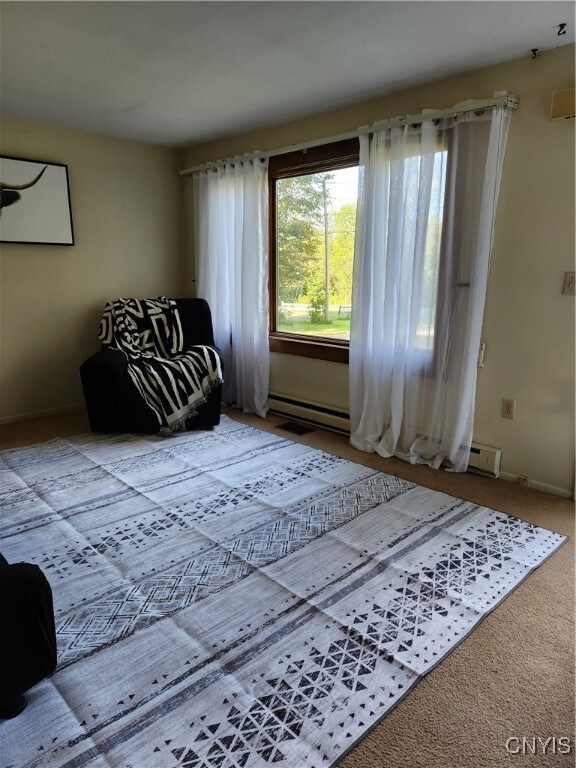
<point>295,429</point>
<point>484,460</point>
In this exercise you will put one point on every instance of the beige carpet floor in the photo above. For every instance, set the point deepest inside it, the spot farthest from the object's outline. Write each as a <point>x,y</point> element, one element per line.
<point>505,696</point>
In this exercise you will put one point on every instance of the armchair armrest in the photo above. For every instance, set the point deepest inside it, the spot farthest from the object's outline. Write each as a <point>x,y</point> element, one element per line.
<point>111,362</point>
<point>102,377</point>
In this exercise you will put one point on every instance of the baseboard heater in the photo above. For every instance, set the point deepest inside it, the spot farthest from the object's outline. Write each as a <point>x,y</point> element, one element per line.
<point>484,459</point>
<point>308,412</point>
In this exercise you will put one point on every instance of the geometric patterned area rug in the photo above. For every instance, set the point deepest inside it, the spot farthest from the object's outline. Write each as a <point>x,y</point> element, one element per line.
<point>232,599</point>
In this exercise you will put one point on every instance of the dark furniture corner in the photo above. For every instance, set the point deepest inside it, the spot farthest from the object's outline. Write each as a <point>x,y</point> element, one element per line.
<point>112,400</point>
<point>28,637</point>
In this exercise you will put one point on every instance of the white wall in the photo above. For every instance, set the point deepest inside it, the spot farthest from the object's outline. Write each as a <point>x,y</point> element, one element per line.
<point>128,225</point>
<point>529,324</point>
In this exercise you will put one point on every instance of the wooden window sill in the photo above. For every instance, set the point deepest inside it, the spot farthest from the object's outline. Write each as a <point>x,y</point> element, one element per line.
<point>336,352</point>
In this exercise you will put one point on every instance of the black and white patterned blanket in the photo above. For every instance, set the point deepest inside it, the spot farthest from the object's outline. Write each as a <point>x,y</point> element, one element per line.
<point>173,382</point>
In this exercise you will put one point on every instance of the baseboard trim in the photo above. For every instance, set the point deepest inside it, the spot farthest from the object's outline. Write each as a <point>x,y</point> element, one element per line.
<point>30,415</point>
<point>553,489</point>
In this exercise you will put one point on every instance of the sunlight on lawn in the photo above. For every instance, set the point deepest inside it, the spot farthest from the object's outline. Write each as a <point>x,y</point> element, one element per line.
<point>335,328</point>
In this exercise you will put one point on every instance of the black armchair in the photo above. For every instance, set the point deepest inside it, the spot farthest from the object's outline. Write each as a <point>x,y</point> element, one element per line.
<point>113,401</point>
<point>28,637</point>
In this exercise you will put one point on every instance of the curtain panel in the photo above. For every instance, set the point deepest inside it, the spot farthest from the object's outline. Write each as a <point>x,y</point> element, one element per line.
<point>426,208</point>
<point>232,241</point>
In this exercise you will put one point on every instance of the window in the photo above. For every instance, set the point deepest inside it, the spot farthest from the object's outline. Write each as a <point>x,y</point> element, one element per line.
<point>312,225</point>
<point>313,195</point>
<point>315,226</point>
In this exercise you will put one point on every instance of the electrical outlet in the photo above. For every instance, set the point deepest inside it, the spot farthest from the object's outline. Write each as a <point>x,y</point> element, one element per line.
<point>525,481</point>
<point>508,408</point>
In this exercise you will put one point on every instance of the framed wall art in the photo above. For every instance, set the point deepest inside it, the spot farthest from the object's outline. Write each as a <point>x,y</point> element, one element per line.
<point>34,202</point>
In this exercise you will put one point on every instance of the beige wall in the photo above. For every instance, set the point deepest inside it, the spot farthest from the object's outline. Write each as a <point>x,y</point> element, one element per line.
<point>133,238</point>
<point>529,324</point>
<point>128,226</point>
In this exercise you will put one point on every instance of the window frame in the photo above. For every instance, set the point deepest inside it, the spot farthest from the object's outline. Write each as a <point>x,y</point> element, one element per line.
<point>325,157</point>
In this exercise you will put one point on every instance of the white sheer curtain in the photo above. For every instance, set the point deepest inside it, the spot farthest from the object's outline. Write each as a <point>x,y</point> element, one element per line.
<point>426,208</point>
<point>232,241</point>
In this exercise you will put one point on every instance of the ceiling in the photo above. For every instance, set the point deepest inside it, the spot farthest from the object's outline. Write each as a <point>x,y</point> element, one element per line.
<point>177,73</point>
